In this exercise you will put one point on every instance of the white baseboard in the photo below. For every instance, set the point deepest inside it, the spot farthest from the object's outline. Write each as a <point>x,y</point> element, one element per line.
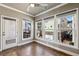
<point>25,43</point>
<point>0,50</point>
<point>34,40</point>
<point>21,44</point>
<point>65,51</point>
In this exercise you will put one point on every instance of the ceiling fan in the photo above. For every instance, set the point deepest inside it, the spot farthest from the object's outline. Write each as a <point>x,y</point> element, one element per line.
<point>38,5</point>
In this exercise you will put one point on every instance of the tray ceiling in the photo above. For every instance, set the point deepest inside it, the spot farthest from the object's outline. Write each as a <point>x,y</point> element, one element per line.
<point>32,10</point>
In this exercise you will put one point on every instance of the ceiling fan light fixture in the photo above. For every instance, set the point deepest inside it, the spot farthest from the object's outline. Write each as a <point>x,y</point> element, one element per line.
<point>32,5</point>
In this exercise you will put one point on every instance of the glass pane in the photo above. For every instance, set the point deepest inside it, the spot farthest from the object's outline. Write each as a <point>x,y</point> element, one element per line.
<point>49,29</point>
<point>49,36</point>
<point>66,22</point>
<point>39,29</point>
<point>66,37</point>
<point>49,25</point>
<point>26,29</point>
<point>65,34</point>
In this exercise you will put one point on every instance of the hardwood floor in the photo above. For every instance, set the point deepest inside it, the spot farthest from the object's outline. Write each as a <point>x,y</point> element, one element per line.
<point>32,49</point>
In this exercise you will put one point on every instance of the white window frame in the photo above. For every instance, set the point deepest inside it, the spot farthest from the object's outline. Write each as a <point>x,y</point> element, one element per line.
<point>76,46</point>
<point>77,29</point>
<point>68,28</point>
<point>39,38</point>
<point>52,18</point>
<point>32,32</point>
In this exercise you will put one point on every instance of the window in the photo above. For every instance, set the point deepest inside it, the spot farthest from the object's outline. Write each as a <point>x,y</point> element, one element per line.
<point>49,29</point>
<point>26,29</point>
<point>61,28</point>
<point>39,29</point>
<point>66,29</point>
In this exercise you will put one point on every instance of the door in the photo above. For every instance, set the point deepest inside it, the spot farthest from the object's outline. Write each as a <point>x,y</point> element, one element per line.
<point>9,38</point>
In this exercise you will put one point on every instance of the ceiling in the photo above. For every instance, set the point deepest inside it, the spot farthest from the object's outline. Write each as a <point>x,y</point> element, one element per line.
<point>31,10</point>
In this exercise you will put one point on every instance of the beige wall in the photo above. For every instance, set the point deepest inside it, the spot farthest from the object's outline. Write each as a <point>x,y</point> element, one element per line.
<point>19,16</point>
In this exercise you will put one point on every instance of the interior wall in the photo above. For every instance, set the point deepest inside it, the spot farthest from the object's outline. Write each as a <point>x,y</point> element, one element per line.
<point>53,12</point>
<point>7,12</point>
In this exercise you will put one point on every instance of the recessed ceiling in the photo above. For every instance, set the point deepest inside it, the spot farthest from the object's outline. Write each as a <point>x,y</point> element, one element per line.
<point>32,10</point>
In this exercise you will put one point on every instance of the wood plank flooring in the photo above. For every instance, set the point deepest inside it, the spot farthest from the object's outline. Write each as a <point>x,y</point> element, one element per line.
<point>32,49</point>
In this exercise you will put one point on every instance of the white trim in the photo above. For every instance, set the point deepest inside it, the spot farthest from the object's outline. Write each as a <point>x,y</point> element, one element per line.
<point>15,9</point>
<point>34,40</point>
<point>51,9</point>
<point>0,50</point>
<point>25,43</point>
<point>65,51</point>
<point>62,44</point>
<point>17,32</point>
<point>66,11</point>
<point>78,26</point>
<point>37,30</point>
<point>1,32</point>
<point>8,16</point>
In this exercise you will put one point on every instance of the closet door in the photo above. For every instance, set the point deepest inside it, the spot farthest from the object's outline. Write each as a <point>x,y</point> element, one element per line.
<point>27,29</point>
<point>9,38</point>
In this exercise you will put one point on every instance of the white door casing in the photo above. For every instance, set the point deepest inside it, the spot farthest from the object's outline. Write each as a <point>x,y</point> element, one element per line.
<point>9,32</point>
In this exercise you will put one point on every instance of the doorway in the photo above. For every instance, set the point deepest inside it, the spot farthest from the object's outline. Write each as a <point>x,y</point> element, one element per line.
<point>9,32</point>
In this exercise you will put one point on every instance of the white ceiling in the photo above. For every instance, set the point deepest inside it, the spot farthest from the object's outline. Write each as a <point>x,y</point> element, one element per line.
<point>32,10</point>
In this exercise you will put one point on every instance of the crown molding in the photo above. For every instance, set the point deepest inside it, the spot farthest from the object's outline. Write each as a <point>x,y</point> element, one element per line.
<point>51,9</point>
<point>14,9</point>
